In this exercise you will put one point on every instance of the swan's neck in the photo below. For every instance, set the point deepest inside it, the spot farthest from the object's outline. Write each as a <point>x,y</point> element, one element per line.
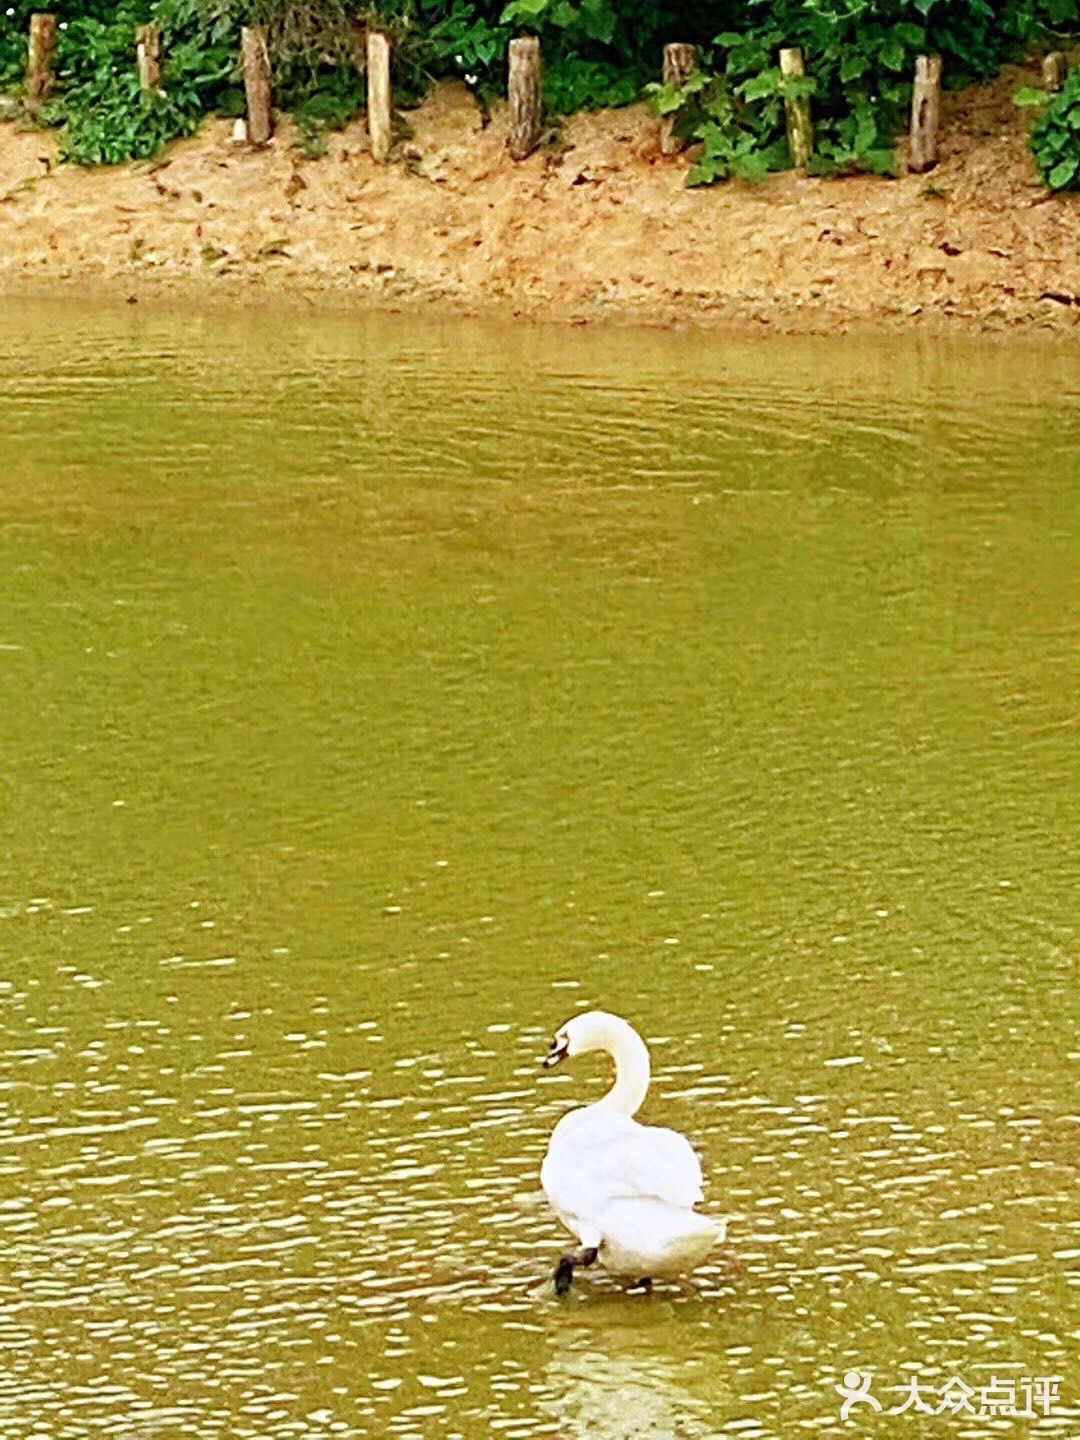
<point>627,1049</point>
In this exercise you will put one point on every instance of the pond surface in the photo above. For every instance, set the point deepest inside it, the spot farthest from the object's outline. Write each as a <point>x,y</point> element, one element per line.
<point>375,693</point>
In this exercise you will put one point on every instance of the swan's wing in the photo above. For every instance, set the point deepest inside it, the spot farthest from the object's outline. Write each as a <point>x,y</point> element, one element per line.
<point>658,1163</point>
<point>596,1158</point>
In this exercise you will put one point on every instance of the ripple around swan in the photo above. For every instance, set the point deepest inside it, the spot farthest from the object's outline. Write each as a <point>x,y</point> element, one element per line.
<point>390,691</point>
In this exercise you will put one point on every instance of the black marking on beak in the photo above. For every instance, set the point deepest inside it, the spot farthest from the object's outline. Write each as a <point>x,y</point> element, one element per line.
<point>560,1048</point>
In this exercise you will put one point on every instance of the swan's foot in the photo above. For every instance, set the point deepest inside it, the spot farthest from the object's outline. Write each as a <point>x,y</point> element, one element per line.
<point>564,1276</point>
<point>564,1271</point>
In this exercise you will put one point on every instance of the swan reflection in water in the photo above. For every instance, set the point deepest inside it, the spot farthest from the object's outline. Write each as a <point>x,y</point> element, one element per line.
<point>623,1388</point>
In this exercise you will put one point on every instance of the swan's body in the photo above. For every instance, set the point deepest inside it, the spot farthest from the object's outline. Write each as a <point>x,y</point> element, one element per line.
<point>626,1190</point>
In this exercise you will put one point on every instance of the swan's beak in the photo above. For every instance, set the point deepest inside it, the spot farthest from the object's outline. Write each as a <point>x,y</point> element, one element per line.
<point>560,1048</point>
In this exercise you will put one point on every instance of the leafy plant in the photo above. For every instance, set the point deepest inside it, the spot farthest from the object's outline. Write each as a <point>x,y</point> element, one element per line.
<point>572,83</point>
<point>1055,136</point>
<point>738,110</point>
<point>328,105</point>
<point>586,22</point>
<point>103,115</point>
<point>103,125</point>
<point>740,132</point>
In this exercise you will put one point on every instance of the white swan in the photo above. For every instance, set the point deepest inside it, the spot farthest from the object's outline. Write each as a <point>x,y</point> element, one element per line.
<point>627,1191</point>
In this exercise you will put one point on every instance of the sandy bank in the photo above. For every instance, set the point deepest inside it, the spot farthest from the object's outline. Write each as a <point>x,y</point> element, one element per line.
<point>596,225</point>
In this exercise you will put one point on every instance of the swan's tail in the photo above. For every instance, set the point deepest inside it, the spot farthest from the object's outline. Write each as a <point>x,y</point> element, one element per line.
<point>651,1238</point>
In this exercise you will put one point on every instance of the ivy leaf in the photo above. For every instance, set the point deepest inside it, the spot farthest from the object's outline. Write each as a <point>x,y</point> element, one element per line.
<point>527,10</point>
<point>760,86</point>
<point>892,53</point>
<point>752,167</point>
<point>880,162</point>
<point>1063,172</point>
<point>821,164</point>
<point>707,171</point>
<point>1030,95</point>
<point>797,87</point>
<point>777,156</point>
<point>715,137</point>
<point>865,131</point>
<point>598,20</point>
<point>913,36</point>
<point>665,99</point>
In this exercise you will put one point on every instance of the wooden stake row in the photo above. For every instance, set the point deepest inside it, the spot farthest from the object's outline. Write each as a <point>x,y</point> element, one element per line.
<point>679,61</point>
<point>40,62</point>
<point>524,91</point>
<point>258,87</point>
<point>258,76</point>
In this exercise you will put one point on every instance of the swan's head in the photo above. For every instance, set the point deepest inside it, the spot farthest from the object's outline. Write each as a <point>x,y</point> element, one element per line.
<point>595,1030</point>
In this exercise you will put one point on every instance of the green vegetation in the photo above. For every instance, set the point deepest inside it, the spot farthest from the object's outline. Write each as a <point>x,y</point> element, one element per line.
<point>104,117</point>
<point>859,58</point>
<point>1055,136</point>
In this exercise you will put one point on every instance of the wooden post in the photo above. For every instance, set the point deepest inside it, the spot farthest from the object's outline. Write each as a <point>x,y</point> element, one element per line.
<point>679,60</point>
<point>1053,70</point>
<point>257,86</point>
<point>39,69</point>
<point>378,94</point>
<point>148,54</point>
<point>526,95</point>
<point>925,113</point>
<point>800,129</point>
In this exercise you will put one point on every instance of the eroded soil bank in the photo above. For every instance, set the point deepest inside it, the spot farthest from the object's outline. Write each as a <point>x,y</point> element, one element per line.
<point>594,225</point>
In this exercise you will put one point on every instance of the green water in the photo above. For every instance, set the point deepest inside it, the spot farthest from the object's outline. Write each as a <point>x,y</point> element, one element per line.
<point>376,693</point>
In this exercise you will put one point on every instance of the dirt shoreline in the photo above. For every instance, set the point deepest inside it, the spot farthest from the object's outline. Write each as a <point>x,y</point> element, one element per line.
<point>596,226</point>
